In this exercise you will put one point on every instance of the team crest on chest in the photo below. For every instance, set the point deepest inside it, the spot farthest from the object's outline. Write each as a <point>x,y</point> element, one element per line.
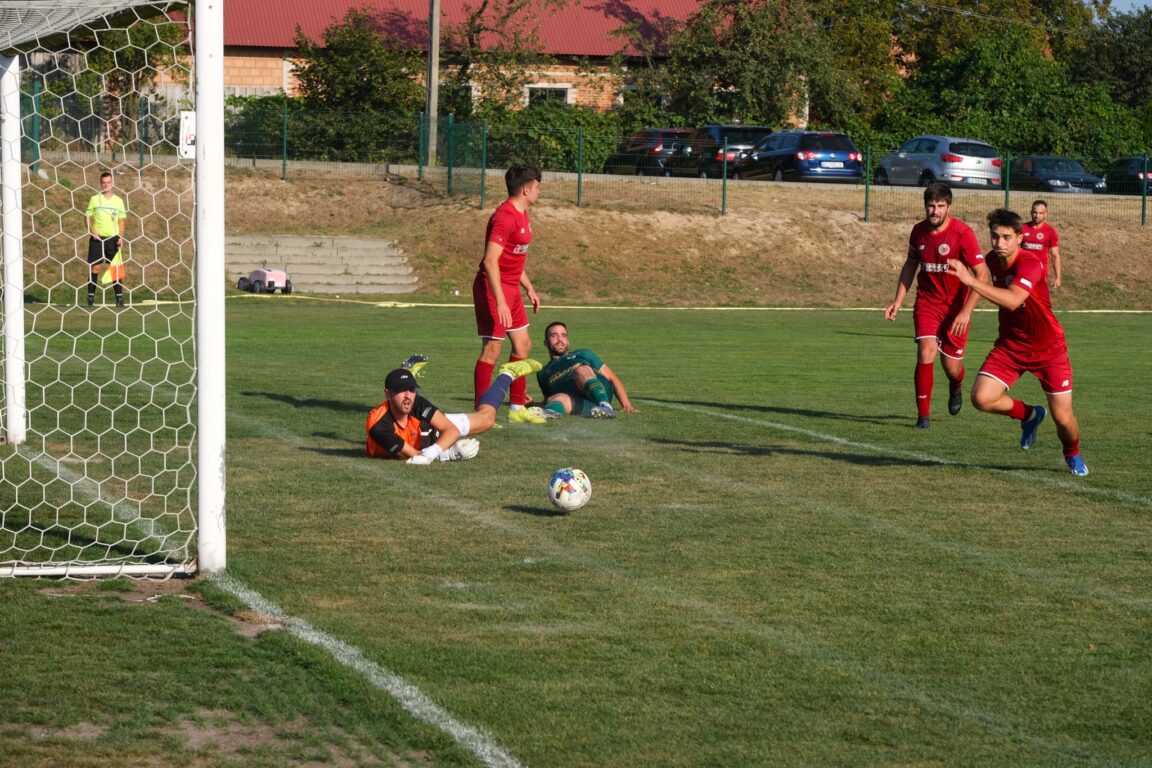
<point>944,249</point>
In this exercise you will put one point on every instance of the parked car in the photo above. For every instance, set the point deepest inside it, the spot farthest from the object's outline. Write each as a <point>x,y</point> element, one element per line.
<point>802,156</point>
<point>1047,173</point>
<point>703,154</point>
<point>1124,175</point>
<point>925,159</point>
<point>645,152</point>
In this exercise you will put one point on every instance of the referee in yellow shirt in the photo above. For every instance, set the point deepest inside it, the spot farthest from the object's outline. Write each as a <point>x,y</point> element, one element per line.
<point>106,216</point>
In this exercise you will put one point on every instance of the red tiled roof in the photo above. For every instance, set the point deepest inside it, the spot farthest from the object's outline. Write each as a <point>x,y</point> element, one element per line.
<point>581,29</point>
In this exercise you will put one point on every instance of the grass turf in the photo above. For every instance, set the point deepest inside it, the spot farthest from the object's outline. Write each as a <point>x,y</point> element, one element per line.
<point>775,568</point>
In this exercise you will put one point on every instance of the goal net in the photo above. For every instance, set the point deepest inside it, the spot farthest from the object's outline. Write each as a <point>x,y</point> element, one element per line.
<point>98,470</point>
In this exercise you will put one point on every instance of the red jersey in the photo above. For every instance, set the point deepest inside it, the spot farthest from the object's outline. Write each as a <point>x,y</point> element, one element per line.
<point>1038,240</point>
<point>509,228</point>
<point>933,249</point>
<point>1031,329</point>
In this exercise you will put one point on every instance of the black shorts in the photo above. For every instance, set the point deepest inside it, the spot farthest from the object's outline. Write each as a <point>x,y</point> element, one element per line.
<point>102,249</point>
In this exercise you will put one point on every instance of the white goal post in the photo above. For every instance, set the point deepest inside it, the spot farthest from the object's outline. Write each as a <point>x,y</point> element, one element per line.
<point>112,460</point>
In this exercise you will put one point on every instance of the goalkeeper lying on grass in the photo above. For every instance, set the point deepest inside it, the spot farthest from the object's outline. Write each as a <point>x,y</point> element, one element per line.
<point>407,426</point>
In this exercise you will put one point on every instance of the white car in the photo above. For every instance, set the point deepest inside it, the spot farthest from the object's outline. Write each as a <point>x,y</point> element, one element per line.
<point>955,161</point>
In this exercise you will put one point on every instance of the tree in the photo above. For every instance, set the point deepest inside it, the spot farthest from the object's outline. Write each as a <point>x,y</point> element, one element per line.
<point>1116,55</point>
<point>750,61</point>
<point>495,50</point>
<point>1004,91</point>
<point>360,89</point>
<point>360,67</point>
<point>860,36</point>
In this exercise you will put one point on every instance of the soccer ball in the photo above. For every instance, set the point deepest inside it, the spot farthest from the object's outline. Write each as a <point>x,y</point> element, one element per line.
<point>569,489</point>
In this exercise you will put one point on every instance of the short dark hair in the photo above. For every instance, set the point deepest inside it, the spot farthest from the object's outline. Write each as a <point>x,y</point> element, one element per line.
<point>548,327</point>
<point>1002,217</point>
<point>105,175</point>
<point>1040,202</point>
<point>519,176</point>
<point>937,191</point>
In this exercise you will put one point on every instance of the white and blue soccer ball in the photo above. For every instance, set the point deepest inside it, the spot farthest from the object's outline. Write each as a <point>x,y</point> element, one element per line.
<point>569,489</point>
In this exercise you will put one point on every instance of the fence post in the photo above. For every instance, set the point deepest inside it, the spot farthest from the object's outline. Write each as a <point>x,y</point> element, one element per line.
<point>449,135</point>
<point>284,145</point>
<point>1144,193</point>
<point>34,166</point>
<point>141,131</point>
<point>421,145</point>
<point>1006,178</point>
<point>724,179</point>
<point>868,182</point>
<point>483,162</point>
<point>579,165</point>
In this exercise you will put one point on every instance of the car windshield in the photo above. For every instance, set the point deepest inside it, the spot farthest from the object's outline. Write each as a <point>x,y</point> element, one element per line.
<point>745,135</point>
<point>828,141</point>
<point>1058,165</point>
<point>971,149</point>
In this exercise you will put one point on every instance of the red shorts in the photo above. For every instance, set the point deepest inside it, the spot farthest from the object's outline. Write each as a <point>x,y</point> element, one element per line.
<point>1052,368</point>
<point>935,322</point>
<point>487,322</point>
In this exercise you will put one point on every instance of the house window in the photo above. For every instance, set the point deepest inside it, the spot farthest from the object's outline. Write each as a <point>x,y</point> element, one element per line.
<point>538,94</point>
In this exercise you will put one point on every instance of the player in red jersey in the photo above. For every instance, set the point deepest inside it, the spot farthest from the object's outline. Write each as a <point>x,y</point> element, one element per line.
<point>943,309</point>
<point>1039,237</point>
<point>496,292</point>
<point>1031,340</point>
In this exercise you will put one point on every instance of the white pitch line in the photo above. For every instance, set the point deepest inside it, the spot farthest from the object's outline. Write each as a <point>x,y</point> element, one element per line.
<point>414,701</point>
<point>884,450</point>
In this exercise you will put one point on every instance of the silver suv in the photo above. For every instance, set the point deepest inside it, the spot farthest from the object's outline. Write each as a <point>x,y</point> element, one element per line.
<point>925,159</point>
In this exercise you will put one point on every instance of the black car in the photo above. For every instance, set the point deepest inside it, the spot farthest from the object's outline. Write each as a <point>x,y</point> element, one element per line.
<point>704,154</point>
<point>645,152</point>
<point>802,156</point>
<point>1130,175</point>
<point>1048,173</point>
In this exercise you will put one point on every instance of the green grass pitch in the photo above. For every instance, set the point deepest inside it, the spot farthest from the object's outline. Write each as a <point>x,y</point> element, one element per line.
<point>775,569</point>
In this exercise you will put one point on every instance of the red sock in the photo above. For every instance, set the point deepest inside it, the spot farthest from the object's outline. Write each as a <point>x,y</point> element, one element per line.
<point>1072,448</point>
<point>923,379</point>
<point>482,378</point>
<point>518,395</point>
<point>1019,411</point>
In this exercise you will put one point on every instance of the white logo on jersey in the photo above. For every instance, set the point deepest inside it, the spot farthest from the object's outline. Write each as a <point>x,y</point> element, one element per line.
<point>1026,283</point>
<point>921,247</point>
<point>1065,383</point>
<point>944,249</point>
<point>1039,235</point>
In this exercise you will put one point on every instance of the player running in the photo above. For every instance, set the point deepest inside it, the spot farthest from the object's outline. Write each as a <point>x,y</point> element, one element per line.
<point>1039,237</point>
<point>577,381</point>
<point>407,426</point>
<point>943,310</point>
<point>1031,340</point>
<point>496,290</point>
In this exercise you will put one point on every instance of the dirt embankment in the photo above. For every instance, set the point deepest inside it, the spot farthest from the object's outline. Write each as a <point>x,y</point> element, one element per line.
<point>778,245</point>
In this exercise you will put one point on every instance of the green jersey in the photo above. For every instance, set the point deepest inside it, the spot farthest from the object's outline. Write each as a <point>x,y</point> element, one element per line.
<point>559,375</point>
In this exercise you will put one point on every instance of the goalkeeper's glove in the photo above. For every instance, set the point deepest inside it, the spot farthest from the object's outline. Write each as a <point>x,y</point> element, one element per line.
<point>427,456</point>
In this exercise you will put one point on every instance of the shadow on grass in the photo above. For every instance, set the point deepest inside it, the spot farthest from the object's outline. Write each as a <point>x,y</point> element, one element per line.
<point>310,402</point>
<point>524,509</point>
<point>776,409</point>
<point>340,453</point>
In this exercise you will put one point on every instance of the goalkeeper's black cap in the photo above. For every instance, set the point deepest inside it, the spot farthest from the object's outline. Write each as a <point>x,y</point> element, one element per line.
<point>400,380</point>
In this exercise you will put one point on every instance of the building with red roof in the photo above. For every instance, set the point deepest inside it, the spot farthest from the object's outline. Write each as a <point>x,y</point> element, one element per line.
<point>260,35</point>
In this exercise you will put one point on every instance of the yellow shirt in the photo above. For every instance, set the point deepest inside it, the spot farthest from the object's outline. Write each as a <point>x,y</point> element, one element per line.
<point>106,213</point>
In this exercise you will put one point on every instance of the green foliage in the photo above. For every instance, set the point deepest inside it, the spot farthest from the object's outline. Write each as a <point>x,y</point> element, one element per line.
<point>867,75</point>
<point>1004,90</point>
<point>555,136</point>
<point>750,61</point>
<point>1116,56</point>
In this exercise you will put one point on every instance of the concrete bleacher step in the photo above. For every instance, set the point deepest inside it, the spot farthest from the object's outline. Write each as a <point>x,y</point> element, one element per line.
<point>323,264</point>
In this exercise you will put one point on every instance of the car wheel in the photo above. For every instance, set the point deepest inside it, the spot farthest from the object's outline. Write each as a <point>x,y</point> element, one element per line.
<point>735,176</point>
<point>287,286</point>
<point>640,171</point>
<point>257,286</point>
<point>243,284</point>
<point>778,175</point>
<point>882,177</point>
<point>927,178</point>
<point>703,173</point>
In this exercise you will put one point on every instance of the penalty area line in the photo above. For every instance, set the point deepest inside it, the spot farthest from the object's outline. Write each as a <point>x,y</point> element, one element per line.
<point>414,701</point>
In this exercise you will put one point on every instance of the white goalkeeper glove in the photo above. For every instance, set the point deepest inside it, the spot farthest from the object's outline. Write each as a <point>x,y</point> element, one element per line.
<point>465,448</point>
<point>427,456</point>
